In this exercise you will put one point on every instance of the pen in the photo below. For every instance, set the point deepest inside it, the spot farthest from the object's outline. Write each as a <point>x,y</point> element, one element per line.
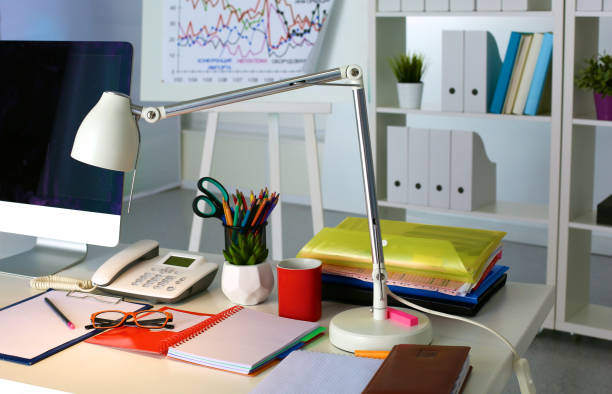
<point>59,313</point>
<point>382,354</point>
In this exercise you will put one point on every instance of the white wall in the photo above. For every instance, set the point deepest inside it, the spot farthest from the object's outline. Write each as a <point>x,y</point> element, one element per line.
<point>108,20</point>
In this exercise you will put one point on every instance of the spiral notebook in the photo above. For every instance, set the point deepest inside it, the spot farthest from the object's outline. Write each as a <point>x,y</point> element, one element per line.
<point>240,340</point>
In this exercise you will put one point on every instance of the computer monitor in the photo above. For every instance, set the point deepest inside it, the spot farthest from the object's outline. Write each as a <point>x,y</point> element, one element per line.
<point>46,90</point>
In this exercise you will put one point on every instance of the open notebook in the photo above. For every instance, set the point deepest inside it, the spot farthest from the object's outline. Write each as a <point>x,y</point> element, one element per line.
<point>241,340</point>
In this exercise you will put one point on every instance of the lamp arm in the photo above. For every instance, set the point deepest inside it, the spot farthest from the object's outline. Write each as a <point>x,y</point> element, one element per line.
<point>352,72</point>
<point>354,75</point>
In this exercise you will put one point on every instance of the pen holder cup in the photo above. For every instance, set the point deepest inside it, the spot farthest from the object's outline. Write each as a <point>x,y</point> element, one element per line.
<point>245,238</point>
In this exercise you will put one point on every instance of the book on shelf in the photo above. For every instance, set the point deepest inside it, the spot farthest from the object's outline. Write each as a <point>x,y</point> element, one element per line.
<point>517,72</point>
<point>523,87</point>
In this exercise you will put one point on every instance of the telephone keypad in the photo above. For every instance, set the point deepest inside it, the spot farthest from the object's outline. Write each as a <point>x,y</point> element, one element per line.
<point>158,277</point>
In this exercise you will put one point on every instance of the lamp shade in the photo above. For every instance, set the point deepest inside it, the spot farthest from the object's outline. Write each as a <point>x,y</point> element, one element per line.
<point>108,136</point>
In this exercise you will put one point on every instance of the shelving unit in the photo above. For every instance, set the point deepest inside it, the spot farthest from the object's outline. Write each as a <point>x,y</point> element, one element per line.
<point>575,313</point>
<point>384,111</point>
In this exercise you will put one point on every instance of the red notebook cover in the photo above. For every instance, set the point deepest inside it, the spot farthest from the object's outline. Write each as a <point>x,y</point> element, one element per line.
<point>142,339</point>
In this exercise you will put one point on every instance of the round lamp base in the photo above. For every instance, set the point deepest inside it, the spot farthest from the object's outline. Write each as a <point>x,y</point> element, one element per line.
<point>356,329</point>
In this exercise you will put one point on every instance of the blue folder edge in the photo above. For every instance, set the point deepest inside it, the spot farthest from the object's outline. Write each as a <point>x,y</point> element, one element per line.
<point>505,74</point>
<point>471,298</point>
<point>539,76</point>
<point>30,361</point>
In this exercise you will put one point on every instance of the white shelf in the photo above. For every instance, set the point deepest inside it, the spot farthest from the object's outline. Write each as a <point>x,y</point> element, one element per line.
<point>592,320</point>
<point>500,210</point>
<point>512,14</point>
<point>436,113</point>
<point>590,120</point>
<point>593,14</point>
<point>587,222</point>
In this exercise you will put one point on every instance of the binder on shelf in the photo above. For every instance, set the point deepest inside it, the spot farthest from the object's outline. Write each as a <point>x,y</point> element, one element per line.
<point>517,72</point>
<point>473,175</point>
<point>436,5</point>
<point>527,76</point>
<point>413,5</point>
<point>589,5</point>
<point>439,168</point>
<point>397,164</point>
<point>538,99</point>
<point>503,81</point>
<point>418,166</point>
<point>488,5</point>
<point>481,70</point>
<point>526,5</point>
<point>452,70</point>
<point>462,5</point>
<point>388,5</point>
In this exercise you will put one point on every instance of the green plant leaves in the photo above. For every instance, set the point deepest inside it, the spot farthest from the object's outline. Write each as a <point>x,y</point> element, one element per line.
<point>596,75</point>
<point>408,68</point>
<point>248,249</point>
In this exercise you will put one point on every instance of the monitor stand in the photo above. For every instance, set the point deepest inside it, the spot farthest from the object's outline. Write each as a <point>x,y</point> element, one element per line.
<point>47,257</point>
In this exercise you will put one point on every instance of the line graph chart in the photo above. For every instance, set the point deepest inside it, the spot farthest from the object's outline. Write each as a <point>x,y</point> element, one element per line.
<point>241,41</point>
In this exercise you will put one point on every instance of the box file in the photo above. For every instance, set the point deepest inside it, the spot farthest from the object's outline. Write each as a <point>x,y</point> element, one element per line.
<point>413,5</point>
<point>481,70</point>
<point>452,70</point>
<point>488,5</point>
<point>388,5</point>
<point>436,5</point>
<point>418,166</point>
<point>473,175</point>
<point>589,5</point>
<point>397,164</point>
<point>439,168</point>
<point>462,5</point>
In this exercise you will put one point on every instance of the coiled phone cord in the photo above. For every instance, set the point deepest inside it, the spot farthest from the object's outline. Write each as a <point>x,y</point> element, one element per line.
<point>61,283</point>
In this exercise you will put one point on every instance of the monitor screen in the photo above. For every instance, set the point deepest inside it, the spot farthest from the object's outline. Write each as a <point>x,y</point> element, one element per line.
<point>47,89</point>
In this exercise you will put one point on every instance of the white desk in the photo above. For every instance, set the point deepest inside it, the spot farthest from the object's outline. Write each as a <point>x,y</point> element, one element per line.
<point>517,311</point>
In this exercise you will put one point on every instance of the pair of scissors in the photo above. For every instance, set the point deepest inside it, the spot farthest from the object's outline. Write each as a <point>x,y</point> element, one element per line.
<point>216,206</point>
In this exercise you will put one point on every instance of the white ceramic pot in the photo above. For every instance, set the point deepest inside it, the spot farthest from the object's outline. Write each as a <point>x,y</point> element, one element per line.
<point>247,284</point>
<point>410,94</point>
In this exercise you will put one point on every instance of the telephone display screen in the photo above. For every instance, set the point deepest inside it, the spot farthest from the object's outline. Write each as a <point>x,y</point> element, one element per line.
<point>179,261</point>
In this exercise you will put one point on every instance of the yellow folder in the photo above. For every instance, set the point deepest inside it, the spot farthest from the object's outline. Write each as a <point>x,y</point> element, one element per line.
<point>436,251</point>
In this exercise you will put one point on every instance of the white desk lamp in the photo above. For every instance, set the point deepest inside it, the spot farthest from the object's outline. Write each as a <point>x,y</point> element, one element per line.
<point>109,138</point>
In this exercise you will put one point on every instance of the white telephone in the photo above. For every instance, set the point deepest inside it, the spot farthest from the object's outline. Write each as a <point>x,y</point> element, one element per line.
<point>139,272</point>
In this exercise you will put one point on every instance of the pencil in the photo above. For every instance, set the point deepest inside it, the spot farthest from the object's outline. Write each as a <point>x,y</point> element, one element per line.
<point>228,215</point>
<point>382,354</point>
<point>256,217</point>
<point>59,313</point>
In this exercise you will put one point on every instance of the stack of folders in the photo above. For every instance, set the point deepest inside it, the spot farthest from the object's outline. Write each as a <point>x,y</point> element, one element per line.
<point>523,87</point>
<point>450,269</point>
<point>446,169</point>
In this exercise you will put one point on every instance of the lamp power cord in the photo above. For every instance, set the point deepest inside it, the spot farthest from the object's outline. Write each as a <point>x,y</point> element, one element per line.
<point>519,364</point>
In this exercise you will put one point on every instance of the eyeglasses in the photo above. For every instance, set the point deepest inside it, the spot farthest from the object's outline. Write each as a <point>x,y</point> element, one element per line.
<point>144,319</point>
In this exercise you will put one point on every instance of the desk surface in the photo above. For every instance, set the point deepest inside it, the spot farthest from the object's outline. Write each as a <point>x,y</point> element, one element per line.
<point>517,311</point>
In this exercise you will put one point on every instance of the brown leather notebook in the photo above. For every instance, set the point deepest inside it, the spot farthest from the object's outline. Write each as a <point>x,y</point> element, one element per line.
<point>421,369</point>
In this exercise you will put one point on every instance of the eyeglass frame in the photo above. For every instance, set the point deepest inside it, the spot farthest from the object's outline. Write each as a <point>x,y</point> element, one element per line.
<point>127,315</point>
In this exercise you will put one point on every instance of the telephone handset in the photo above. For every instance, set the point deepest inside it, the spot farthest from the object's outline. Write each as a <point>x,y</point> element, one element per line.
<point>139,272</point>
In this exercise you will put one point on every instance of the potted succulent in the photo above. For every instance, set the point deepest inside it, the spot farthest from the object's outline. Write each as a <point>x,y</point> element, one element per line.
<point>247,277</point>
<point>597,76</point>
<point>409,69</point>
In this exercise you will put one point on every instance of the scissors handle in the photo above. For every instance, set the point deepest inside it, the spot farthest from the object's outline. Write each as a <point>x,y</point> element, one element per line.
<point>217,184</point>
<point>215,210</point>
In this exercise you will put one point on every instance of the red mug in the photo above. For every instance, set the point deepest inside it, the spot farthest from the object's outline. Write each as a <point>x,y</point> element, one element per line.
<point>299,289</point>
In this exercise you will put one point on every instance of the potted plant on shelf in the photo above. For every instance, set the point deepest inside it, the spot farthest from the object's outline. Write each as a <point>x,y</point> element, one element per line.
<point>409,69</point>
<point>247,277</point>
<point>597,76</point>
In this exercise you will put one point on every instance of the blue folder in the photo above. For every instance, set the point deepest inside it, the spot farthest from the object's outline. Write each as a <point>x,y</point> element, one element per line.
<point>30,361</point>
<point>539,75</point>
<point>471,298</point>
<point>499,97</point>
